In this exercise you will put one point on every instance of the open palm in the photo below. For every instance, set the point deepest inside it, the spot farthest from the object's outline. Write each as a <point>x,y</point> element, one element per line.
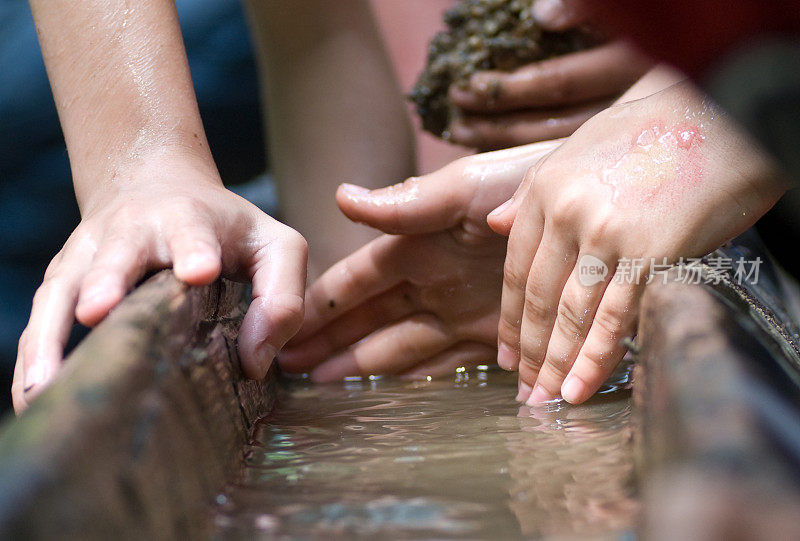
<point>423,299</point>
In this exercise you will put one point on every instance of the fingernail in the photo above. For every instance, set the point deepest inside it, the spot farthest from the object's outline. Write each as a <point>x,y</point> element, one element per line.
<point>459,133</point>
<point>524,391</point>
<point>34,376</point>
<point>573,389</point>
<point>461,93</point>
<point>197,259</point>
<point>352,190</point>
<point>94,293</point>
<point>499,210</point>
<point>266,353</point>
<point>546,11</point>
<point>506,358</point>
<point>486,87</point>
<point>539,395</point>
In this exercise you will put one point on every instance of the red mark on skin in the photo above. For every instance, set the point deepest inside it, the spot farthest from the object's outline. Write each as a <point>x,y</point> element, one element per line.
<point>683,136</point>
<point>658,156</point>
<point>687,136</point>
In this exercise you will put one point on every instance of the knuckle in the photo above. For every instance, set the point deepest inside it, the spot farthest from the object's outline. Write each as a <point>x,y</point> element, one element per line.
<point>536,308</point>
<point>571,322</point>
<point>558,85</point>
<point>193,206</point>
<point>128,214</point>
<point>53,266</point>
<point>530,174</point>
<point>610,321</point>
<point>558,365</point>
<point>27,352</point>
<point>566,208</point>
<point>532,349</point>
<point>410,349</point>
<point>295,241</point>
<point>116,259</point>
<point>600,360</point>
<point>416,348</point>
<point>108,275</point>
<point>460,168</point>
<point>195,233</point>
<point>53,285</point>
<point>508,328</point>
<point>22,344</point>
<point>287,312</point>
<point>606,227</point>
<point>515,276</point>
<point>530,360</point>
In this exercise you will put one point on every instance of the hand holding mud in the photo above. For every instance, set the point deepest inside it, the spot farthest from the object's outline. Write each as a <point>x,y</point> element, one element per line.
<point>660,178</point>
<point>575,77</point>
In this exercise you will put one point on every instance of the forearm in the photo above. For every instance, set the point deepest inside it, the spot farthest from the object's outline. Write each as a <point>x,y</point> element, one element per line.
<point>121,85</point>
<point>335,114</point>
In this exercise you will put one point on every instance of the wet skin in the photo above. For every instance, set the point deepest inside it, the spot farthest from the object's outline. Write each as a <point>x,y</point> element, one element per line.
<point>423,300</point>
<point>149,192</point>
<point>663,177</point>
<point>546,99</point>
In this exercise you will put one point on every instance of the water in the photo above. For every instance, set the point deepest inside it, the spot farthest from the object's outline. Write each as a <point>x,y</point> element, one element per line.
<point>456,459</point>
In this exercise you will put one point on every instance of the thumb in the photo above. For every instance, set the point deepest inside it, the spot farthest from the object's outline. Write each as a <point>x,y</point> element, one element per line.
<point>277,270</point>
<point>416,206</point>
<point>502,218</point>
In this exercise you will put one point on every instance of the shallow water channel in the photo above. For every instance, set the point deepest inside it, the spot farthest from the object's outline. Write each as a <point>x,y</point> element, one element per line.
<point>446,459</point>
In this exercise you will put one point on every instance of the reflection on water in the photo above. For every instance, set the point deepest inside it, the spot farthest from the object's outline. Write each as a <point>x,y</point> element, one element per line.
<point>390,459</point>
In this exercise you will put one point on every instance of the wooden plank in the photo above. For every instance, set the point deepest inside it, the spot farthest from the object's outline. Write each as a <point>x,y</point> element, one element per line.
<point>142,427</point>
<point>716,404</point>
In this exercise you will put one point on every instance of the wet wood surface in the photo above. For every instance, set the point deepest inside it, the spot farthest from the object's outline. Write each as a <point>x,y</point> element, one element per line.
<point>143,426</point>
<point>717,414</point>
<point>149,418</point>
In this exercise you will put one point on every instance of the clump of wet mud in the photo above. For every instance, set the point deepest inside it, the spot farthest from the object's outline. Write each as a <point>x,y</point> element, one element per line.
<point>485,35</point>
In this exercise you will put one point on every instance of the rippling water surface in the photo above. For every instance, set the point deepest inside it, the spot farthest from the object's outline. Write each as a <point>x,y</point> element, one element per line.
<point>390,459</point>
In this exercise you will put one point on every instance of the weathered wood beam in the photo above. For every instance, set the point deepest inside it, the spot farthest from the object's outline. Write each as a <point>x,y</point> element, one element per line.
<point>717,408</point>
<point>143,425</point>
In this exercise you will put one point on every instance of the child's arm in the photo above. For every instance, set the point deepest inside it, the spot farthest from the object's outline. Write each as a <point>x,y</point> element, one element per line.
<point>149,192</point>
<point>334,111</point>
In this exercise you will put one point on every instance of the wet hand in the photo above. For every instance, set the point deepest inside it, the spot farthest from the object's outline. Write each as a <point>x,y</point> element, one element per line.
<point>191,223</point>
<point>546,99</point>
<point>647,181</point>
<point>423,299</point>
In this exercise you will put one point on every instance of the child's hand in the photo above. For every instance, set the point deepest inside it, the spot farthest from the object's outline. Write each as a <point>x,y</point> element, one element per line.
<point>144,223</point>
<point>662,177</point>
<point>546,99</point>
<point>424,299</point>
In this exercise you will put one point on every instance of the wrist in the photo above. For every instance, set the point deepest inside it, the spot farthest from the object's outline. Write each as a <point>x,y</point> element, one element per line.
<point>158,168</point>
